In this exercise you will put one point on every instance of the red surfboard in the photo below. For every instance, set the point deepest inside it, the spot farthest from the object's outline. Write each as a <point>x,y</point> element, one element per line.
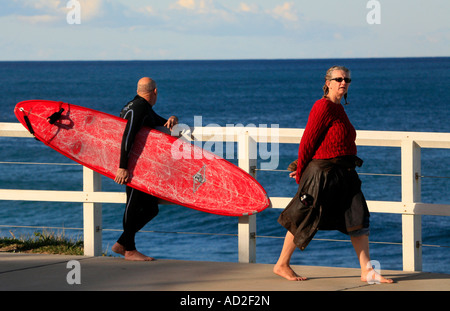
<point>162,165</point>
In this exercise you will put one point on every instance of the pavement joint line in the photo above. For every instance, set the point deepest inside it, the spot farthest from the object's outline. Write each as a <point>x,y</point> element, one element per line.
<point>41,266</point>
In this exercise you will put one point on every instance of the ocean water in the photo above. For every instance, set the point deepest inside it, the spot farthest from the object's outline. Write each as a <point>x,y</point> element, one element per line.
<point>385,94</point>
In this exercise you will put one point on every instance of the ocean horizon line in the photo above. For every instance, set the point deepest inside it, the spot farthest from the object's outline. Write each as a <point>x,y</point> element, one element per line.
<point>224,59</point>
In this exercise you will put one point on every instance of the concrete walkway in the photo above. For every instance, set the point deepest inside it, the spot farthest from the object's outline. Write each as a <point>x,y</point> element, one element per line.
<point>37,272</point>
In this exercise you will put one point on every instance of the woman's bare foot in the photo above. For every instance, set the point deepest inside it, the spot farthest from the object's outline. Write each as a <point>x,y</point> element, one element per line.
<point>372,276</point>
<point>287,273</point>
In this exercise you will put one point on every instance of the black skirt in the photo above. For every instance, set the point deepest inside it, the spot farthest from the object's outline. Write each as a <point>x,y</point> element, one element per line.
<point>329,197</point>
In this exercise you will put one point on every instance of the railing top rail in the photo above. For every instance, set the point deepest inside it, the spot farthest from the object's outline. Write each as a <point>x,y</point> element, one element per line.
<point>281,135</point>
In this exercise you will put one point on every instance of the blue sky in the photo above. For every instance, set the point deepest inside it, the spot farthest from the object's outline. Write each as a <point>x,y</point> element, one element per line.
<point>222,29</point>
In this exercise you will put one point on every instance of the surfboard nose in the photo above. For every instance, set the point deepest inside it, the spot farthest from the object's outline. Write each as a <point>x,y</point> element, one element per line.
<point>25,107</point>
<point>30,114</point>
<point>21,107</point>
<point>21,111</point>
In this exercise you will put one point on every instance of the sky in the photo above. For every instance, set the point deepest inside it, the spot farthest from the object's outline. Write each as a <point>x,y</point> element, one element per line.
<point>222,29</point>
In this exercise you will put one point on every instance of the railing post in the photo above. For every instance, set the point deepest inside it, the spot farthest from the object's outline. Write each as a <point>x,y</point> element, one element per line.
<point>247,153</point>
<point>411,192</point>
<point>92,215</point>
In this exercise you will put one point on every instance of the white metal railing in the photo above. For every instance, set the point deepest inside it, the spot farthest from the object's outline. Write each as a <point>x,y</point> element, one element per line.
<point>410,207</point>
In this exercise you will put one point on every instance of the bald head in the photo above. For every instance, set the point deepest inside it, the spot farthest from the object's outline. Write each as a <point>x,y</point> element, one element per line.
<point>146,85</point>
<point>146,88</point>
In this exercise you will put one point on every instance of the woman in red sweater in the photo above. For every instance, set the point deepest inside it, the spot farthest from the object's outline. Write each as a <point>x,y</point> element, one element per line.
<point>329,195</point>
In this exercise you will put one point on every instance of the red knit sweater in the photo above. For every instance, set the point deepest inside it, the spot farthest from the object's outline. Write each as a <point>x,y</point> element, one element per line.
<point>328,134</point>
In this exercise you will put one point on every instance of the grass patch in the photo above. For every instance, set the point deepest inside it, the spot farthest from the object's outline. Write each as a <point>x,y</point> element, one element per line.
<point>42,243</point>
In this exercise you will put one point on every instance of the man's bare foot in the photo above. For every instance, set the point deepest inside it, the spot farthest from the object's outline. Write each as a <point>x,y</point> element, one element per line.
<point>118,249</point>
<point>287,273</point>
<point>137,256</point>
<point>130,255</point>
<point>372,276</point>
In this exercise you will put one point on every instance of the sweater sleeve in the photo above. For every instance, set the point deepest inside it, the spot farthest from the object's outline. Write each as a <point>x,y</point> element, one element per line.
<point>319,120</point>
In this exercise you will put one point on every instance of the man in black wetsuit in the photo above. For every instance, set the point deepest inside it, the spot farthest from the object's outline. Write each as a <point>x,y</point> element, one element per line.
<point>140,207</point>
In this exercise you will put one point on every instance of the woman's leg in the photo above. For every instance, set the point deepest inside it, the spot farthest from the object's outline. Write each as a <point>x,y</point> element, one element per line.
<point>282,267</point>
<point>368,274</point>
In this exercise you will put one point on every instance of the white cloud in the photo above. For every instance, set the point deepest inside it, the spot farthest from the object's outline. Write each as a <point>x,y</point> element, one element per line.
<point>199,6</point>
<point>183,16</point>
<point>185,4</point>
<point>51,11</point>
<point>39,19</point>
<point>195,7</point>
<point>146,10</point>
<point>286,11</point>
<point>45,5</point>
<point>207,17</point>
<point>248,8</point>
<point>91,9</point>
<point>38,11</point>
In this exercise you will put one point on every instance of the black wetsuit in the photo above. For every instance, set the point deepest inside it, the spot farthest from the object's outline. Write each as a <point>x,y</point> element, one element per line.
<point>140,207</point>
